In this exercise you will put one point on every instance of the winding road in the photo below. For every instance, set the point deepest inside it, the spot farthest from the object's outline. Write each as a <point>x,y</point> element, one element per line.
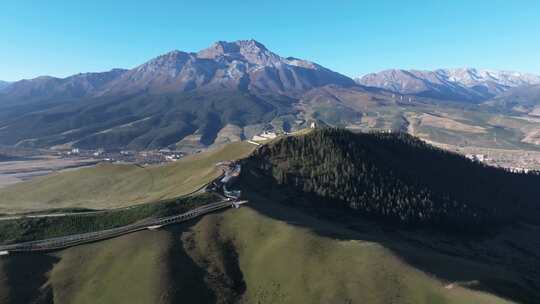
<point>78,239</point>
<point>94,212</point>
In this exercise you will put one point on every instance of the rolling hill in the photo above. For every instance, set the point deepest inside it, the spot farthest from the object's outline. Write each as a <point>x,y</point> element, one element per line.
<point>302,243</point>
<point>238,256</point>
<point>110,186</point>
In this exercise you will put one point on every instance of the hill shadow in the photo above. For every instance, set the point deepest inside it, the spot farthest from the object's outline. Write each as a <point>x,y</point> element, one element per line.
<point>26,278</point>
<point>485,262</point>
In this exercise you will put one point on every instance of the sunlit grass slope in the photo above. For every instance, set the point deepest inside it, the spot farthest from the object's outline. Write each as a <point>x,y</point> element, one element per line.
<point>237,256</point>
<point>285,263</point>
<point>110,186</point>
<point>129,269</point>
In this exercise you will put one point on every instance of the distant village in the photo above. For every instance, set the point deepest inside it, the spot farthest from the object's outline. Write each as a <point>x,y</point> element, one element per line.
<point>147,157</point>
<point>482,158</point>
<point>150,157</point>
<point>126,156</point>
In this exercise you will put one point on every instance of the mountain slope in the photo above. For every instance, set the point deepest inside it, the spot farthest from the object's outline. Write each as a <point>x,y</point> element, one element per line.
<point>177,99</point>
<point>141,121</point>
<point>244,255</point>
<point>521,99</point>
<point>449,84</point>
<point>46,87</point>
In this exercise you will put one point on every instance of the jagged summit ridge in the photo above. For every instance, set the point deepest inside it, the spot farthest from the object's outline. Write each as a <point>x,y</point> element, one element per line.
<point>243,64</point>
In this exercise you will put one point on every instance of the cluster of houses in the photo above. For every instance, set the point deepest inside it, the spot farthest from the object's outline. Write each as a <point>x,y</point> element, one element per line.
<point>127,156</point>
<point>266,135</point>
<point>401,98</point>
<point>477,157</point>
<point>519,170</point>
<point>484,159</point>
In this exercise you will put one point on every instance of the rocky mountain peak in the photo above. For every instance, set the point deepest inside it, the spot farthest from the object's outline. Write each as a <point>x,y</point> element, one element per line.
<point>173,60</point>
<point>230,48</point>
<point>250,51</point>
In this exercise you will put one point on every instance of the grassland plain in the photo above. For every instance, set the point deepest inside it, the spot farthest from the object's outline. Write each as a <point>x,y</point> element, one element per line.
<point>110,186</point>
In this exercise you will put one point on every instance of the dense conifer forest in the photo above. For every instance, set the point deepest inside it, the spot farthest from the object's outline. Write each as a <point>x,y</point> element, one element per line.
<point>399,178</point>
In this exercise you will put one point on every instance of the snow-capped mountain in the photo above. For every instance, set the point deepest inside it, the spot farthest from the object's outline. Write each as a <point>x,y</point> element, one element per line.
<point>455,84</point>
<point>473,77</point>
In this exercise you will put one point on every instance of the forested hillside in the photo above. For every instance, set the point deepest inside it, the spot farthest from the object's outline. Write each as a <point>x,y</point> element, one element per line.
<point>398,178</point>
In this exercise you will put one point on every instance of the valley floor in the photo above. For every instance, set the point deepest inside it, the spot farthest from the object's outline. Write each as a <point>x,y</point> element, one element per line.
<point>12,172</point>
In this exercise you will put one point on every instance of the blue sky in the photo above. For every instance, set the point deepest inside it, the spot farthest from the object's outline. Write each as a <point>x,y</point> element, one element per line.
<point>60,38</point>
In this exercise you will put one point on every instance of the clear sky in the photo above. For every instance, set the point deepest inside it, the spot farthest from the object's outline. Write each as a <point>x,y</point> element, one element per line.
<point>60,38</point>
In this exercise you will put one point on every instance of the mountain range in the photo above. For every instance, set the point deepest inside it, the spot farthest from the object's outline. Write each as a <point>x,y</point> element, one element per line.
<point>226,92</point>
<point>466,84</point>
<point>243,65</point>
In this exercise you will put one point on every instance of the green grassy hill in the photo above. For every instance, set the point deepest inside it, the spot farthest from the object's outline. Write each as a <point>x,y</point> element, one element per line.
<point>259,254</point>
<point>32,229</point>
<point>272,251</point>
<point>131,269</point>
<point>284,262</point>
<point>110,185</point>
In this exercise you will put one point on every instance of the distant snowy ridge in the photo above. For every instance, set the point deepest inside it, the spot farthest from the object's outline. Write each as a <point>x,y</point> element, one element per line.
<point>462,83</point>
